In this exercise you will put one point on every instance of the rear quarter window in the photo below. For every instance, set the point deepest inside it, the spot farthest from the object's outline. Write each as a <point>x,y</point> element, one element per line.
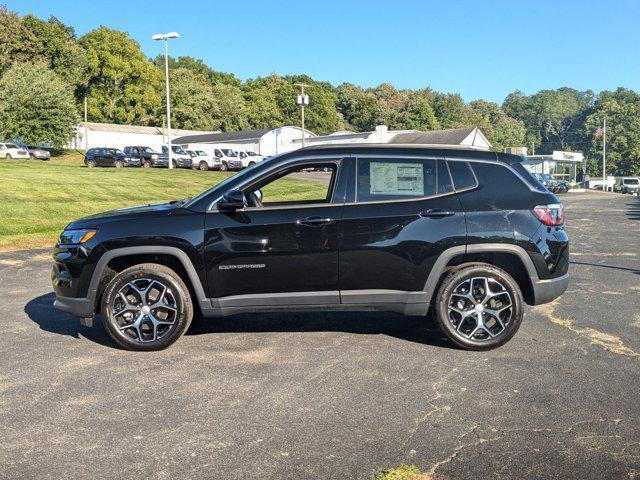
<point>499,185</point>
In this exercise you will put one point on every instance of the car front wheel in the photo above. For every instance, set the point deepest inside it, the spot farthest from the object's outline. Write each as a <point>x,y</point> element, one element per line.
<point>91,163</point>
<point>224,167</point>
<point>119,164</point>
<point>146,164</point>
<point>479,307</point>
<point>8,156</point>
<point>146,307</point>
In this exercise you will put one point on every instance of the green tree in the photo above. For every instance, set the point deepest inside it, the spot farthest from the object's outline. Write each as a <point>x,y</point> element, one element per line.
<point>192,101</point>
<point>198,67</point>
<point>358,107</point>
<point>229,110</point>
<point>17,43</point>
<point>123,87</point>
<point>36,105</point>
<point>60,48</point>
<point>500,129</point>
<point>419,114</point>
<point>553,118</point>
<point>622,111</point>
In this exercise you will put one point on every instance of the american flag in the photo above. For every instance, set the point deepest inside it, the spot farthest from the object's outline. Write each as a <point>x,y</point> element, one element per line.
<point>600,132</point>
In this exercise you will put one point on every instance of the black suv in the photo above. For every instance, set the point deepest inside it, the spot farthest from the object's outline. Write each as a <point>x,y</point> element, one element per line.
<point>148,158</point>
<point>108,157</point>
<point>469,234</point>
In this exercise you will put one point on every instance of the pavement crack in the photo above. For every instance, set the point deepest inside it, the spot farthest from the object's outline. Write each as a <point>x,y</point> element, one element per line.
<point>609,342</point>
<point>460,449</point>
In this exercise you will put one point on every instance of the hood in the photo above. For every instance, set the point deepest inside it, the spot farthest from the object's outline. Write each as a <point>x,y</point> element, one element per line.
<point>131,213</point>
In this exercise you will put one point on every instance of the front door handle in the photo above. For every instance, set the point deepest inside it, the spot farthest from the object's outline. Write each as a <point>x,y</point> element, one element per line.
<point>437,213</point>
<point>315,221</point>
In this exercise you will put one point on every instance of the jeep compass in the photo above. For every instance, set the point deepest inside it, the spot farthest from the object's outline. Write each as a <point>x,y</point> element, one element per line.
<point>467,235</point>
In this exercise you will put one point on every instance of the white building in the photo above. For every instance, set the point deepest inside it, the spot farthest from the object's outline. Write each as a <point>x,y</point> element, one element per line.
<point>563,165</point>
<point>471,136</point>
<point>120,136</point>
<point>267,142</point>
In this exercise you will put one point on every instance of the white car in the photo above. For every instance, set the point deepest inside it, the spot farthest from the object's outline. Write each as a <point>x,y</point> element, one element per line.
<point>10,150</point>
<point>204,162</point>
<point>250,158</point>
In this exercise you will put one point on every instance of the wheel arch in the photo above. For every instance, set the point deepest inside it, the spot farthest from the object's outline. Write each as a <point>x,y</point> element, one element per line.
<point>118,259</point>
<point>511,258</point>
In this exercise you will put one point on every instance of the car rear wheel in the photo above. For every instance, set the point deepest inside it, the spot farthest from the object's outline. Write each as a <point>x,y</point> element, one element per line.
<point>479,307</point>
<point>119,164</point>
<point>146,307</point>
<point>251,164</point>
<point>203,166</point>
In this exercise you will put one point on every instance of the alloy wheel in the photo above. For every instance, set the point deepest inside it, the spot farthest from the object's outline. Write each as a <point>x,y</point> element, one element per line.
<point>480,308</point>
<point>145,310</point>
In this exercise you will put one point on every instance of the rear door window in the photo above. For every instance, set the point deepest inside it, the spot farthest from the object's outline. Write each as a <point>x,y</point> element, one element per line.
<point>462,175</point>
<point>380,179</point>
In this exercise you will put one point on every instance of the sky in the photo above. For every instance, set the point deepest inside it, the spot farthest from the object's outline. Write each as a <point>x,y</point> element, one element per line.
<point>480,49</point>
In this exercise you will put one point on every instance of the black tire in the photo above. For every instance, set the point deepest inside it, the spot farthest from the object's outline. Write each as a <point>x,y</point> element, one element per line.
<point>118,164</point>
<point>463,277</point>
<point>224,167</point>
<point>8,157</point>
<point>203,166</point>
<point>91,163</point>
<point>128,337</point>
<point>175,165</point>
<point>251,164</point>
<point>146,164</point>
<point>32,156</point>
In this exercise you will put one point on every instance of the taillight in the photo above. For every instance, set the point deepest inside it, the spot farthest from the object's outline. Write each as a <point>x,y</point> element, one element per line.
<point>551,215</point>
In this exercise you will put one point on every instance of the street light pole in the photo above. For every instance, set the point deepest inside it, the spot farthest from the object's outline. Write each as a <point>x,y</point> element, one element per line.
<point>166,37</point>
<point>303,101</point>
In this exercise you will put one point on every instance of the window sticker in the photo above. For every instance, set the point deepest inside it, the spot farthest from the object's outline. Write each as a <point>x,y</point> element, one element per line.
<point>396,179</point>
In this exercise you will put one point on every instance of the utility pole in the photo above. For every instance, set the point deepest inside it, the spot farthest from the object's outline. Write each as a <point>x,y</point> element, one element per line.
<point>86,130</point>
<point>303,101</point>
<point>604,154</point>
<point>166,37</point>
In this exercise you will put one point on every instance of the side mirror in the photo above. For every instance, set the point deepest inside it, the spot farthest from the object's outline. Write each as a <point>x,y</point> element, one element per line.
<point>232,200</point>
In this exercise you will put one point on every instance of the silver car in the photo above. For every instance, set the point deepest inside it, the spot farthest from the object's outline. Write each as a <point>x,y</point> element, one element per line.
<point>38,153</point>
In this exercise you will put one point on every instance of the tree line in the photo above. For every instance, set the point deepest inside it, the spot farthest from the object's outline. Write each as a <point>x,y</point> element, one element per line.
<point>46,71</point>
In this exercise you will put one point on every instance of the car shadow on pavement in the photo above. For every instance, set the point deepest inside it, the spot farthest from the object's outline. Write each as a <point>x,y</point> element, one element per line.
<point>413,329</point>
<point>40,310</point>
<point>633,210</point>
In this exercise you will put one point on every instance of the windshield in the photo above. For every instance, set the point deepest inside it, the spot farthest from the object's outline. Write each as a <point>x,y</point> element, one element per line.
<point>147,149</point>
<point>229,153</point>
<point>630,181</point>
<point>177,149</point>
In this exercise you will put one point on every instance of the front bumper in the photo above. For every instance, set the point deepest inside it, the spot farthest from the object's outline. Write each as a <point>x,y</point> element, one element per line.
<point>544,291</point>
<point>79,307</point>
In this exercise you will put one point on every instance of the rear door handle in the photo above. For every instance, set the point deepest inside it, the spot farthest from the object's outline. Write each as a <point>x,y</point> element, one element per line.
<point>437,213</point>
<point>315,221</point>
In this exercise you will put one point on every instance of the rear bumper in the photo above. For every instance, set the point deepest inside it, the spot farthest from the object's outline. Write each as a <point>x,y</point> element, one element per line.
<point>544,291</point>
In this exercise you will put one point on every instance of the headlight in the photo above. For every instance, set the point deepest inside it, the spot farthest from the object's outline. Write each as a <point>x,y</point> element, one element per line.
<point>154,156</point>
<point>74,237</point>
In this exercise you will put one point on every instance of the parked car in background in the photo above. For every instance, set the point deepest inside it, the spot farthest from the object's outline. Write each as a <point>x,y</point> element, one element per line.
<point>148,158</point>
<point>627,185</point>
<point>38,153</point>
<point>179,157</point>
<point>229,158</point>
<point>11,150</point>
<point>202,161</point>
<point>552,184</point>
<point>251,158</point>
<point>109,157</point>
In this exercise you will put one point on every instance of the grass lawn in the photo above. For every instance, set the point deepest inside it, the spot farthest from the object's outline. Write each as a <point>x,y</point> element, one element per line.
<point>38,199</point>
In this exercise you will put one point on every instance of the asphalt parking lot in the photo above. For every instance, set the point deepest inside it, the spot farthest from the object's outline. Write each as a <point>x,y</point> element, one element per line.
<point>328,395</point>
